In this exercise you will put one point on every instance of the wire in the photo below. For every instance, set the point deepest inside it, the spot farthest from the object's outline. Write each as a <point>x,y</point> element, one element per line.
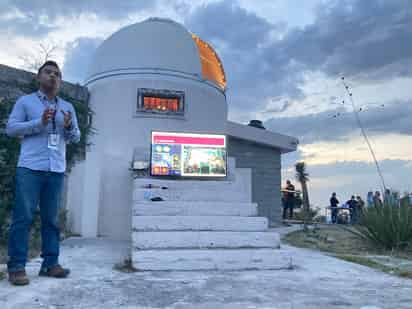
<point>355,111</point>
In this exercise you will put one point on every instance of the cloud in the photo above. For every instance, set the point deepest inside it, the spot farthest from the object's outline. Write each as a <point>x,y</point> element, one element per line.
<point>240,38</point>
<point>265,62</point>
<point>353,37</point>
<point>338,124</point>
<point>58,8</point>
<point>387,146</point>
<point>226,23</point>
<point>279,106</point>
<point>29,26</point>
<point>78,57</point>
<point>38,18</point>
<point>363,40</point>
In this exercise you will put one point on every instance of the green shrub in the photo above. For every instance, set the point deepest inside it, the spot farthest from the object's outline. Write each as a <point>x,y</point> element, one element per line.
<point>388,226</point>
<point>9,151</point>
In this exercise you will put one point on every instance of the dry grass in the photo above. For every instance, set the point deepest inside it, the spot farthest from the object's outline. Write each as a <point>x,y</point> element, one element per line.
<point>330,239</point>
<point>405,274</point>
<point>339,240</point>
<point>366,261</point>
<point>343,244</point>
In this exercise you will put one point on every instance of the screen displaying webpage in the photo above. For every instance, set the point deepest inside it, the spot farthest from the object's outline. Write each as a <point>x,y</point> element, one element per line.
<point>188,154</point>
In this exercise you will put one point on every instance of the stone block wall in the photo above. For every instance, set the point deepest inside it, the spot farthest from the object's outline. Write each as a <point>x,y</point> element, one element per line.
<point>265,163</point>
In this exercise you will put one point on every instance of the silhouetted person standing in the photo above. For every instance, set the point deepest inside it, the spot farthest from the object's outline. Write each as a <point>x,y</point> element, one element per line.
<point>289,201</point>
<point>353,204</point>
<point>377,201</point>
<point>334,207</point>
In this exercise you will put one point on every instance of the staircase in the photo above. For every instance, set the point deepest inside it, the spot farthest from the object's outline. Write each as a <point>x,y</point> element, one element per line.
<point>202,225</point>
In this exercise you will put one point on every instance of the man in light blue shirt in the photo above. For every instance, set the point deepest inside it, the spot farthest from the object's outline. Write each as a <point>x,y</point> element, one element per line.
<point>45,124</point>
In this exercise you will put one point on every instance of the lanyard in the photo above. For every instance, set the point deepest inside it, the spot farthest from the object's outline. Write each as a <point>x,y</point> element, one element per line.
<point>55,108</point>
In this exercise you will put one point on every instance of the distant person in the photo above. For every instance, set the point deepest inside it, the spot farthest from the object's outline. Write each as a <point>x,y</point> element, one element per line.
<point>369,199</point>
<point>377,201</point>
<point>334,208</point>
<point>289,201</point>
<point>361,203</point>
<point>395,198</point>
<point>360,207</point>
<point>352,204</point>
<point>387,198</point>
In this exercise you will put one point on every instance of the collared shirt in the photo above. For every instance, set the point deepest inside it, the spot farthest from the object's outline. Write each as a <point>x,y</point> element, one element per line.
<point>25,121</point>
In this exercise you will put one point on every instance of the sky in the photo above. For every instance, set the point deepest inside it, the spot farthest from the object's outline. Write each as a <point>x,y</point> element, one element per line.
<point>284,62</point>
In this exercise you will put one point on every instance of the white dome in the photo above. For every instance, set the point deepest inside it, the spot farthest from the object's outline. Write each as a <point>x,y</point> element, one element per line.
<point>155,43</point>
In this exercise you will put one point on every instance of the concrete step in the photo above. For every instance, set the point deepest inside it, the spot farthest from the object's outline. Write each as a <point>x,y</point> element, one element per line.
<point>212,259</point>
<point>238,189</point>
<point>242,180</point>
<point>194,194</point>
<point>199,223</point>
<point>194,208</point>
<point>204,239</point>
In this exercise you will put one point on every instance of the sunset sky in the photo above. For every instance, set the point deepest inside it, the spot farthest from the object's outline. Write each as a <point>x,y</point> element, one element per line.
<point>284,60</point>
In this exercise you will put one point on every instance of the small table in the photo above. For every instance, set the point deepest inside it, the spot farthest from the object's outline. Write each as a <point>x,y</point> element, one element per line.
<point>339,209</point>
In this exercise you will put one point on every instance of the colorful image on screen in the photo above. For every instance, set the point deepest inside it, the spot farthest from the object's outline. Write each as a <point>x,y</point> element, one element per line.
<point>190,155</point>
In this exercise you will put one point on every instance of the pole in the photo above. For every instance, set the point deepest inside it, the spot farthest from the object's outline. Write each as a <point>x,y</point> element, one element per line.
<point>364,133</point>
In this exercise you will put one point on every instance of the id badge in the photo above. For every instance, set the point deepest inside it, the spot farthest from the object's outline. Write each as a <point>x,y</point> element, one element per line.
<point>53,141</point>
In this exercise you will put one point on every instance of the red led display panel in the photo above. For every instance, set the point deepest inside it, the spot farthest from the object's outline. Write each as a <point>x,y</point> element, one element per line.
<point>161,103</point>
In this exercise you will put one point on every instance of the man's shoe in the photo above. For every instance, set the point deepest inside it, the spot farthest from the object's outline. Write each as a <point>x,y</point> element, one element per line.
<point>55,272</point>
<point>18,277</point>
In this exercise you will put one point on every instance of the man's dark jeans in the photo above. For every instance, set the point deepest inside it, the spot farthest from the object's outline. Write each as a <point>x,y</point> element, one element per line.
<point>334,211</point>
<point>35,188</point>
<point>288,209</point>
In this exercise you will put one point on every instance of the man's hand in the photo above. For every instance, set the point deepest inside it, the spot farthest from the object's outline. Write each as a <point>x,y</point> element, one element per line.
<point>67,119</point>
<point>48,115</point>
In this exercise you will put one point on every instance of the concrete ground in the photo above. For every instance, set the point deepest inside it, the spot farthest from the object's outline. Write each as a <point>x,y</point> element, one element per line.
<point>317,281</point>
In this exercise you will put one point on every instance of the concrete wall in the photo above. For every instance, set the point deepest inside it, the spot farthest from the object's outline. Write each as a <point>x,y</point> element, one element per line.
<point>266,174</point>
<point>74,191</point>
<point>120,131</point>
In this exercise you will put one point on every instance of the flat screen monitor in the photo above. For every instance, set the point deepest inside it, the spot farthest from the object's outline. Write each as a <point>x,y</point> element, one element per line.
<point>188,155</point>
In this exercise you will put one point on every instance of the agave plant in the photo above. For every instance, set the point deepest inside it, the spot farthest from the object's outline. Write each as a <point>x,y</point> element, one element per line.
<point>388,226</point>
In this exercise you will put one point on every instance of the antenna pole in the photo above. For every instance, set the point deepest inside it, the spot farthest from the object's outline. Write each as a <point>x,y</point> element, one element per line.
<point>364,133</point>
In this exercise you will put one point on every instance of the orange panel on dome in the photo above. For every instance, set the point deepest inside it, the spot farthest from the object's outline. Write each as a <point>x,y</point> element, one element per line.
<point>212,68</point>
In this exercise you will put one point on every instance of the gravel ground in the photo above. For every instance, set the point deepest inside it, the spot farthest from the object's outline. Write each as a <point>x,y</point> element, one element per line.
<point>316,281</point>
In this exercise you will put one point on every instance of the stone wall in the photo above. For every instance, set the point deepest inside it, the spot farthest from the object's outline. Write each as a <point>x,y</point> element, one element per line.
<point>265,163</point>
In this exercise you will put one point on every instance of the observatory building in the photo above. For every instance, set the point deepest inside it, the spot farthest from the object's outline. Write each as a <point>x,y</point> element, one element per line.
<point>162,133</point>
